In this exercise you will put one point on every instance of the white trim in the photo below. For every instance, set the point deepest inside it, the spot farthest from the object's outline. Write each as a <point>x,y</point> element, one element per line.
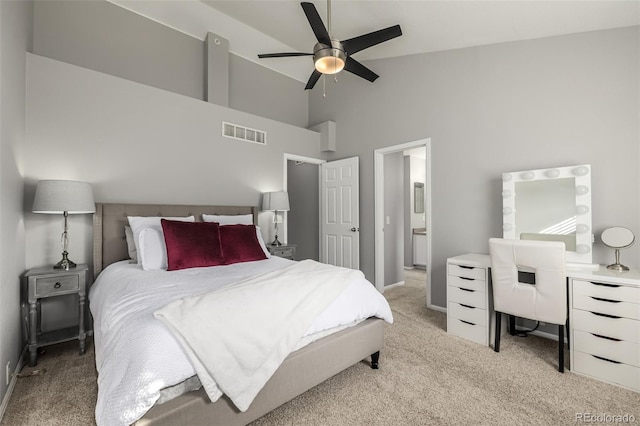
<point>379,211</point>
<point>390,286</point>
<point>12,384</point>
<point>285,178</point>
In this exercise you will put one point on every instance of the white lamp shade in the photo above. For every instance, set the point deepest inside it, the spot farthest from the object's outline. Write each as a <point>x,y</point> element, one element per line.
<point>275,201</point>
<point>59,196</point>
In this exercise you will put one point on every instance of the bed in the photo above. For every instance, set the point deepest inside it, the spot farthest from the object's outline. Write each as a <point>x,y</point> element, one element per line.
<point>301,370</point>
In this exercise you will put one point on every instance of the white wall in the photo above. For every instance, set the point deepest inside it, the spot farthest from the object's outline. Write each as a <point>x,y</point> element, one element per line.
<point>523,105</point>
<point>15,40</point>
<point>135,143</point>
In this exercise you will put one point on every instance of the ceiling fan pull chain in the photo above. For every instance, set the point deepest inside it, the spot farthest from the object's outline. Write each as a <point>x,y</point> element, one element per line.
<point>324,85</point>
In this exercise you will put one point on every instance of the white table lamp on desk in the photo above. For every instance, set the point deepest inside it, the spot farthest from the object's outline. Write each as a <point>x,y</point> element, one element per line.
<point>64,197</point>
<point>274,201</point>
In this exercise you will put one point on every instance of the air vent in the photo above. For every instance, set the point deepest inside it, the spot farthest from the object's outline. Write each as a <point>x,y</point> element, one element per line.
<point>242,133</point>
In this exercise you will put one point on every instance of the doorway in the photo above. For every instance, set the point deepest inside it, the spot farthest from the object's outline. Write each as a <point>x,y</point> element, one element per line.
<point>301,224</point>
<point>387,246</point>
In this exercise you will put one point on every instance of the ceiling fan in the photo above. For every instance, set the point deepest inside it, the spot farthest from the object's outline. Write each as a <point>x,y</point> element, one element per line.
<point>330,55</point>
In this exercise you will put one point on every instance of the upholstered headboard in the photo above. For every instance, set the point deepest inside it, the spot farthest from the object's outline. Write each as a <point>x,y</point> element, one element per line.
<point>109,243</point>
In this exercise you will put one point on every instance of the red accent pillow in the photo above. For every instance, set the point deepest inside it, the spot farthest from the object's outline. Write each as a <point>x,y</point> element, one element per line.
<point>240,244</point>
<point>192,244</point>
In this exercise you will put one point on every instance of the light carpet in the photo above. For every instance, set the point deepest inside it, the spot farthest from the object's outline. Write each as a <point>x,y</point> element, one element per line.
<point>426,377</point>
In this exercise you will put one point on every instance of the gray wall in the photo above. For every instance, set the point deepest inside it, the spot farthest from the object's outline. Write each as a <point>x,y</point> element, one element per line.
<point>136,143</point>
<point>15,40</point>
<point>105,37</point>
<point>394,211</point>
<point>514,106</point>
<point>304,217</point>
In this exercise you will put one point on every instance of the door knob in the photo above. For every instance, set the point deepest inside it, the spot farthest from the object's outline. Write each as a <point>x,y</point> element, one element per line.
<point>354,229</point>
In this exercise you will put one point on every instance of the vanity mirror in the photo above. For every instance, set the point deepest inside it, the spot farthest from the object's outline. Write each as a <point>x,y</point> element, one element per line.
<point>552,205</point>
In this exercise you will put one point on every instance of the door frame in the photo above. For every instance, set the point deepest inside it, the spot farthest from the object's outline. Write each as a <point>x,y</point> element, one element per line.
<point>379,209</point>
<point>294,157</point>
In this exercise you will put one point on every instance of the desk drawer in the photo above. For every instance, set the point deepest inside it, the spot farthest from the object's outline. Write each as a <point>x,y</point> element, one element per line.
<point>467,271</point>
<point>606,291</point>
<point>606,306</point>
<point>46,286</point>
<point>617,328</point>
<point>468,283</point>
<point>467,313</point>
<point>468,297</point>
<point>475,333</point>
<point>616,350</point>
<point>620,374</point>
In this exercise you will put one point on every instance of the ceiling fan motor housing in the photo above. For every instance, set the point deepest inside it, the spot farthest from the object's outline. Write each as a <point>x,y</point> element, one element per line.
<point>329,59</point>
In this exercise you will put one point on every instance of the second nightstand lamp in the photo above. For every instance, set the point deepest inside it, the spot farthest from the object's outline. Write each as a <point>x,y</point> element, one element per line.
<point>64,197</point>
<point>275,201</point>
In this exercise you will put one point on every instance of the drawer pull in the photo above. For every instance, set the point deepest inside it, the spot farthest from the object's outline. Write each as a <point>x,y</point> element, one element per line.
<point>606,337</point>
<point>57,285</point>
<point>467,322</point>
<point>466,278</point>
<point>606,359</point>
<point>600,299</point>
<point>466,306</point>
<point>605,285</point>
<point>605,315</point>
<point>466,289</point>
<point>465,267</point>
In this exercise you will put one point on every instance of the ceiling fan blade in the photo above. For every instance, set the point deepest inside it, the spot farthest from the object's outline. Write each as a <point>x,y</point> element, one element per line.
<point>316,23</point>
<point>356,44</point>
<point>360,70</point>
<point>313,79</point>
<point>283,55</point>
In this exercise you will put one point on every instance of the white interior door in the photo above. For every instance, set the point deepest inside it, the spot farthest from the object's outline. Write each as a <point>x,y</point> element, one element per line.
<point>339,213</point>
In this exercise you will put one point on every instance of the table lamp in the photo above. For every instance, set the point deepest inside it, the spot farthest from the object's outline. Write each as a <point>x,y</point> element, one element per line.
<point>275,201</point>
<point>63,197</point>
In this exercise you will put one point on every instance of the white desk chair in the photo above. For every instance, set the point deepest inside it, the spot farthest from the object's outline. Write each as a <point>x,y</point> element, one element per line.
<point>546,300</point>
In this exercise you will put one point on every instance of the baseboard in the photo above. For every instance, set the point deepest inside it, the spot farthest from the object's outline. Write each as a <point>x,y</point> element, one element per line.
<point>12,383</point>
<point>390,286</point>
<point>437,308</point>
<point>542,334</point>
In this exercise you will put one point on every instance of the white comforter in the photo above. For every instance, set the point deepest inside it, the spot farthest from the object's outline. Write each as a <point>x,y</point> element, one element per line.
<point>137,355</point>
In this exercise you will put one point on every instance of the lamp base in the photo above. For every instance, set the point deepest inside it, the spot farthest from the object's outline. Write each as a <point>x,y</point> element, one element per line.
<point>276,242</point>
<point>618,267</point>
<point>65,263</point>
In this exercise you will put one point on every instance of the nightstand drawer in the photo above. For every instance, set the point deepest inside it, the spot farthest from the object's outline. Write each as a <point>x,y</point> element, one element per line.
<point>287,252</point>
<point>55,285</point>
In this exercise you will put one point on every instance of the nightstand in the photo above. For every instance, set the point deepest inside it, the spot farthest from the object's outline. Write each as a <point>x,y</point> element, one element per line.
<point>49,282</point>
<point>287,251</point>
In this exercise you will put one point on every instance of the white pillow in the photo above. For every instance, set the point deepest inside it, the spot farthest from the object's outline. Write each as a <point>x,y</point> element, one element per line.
<point>238,219</point>
<point>140,223</point>
<point>131,246</point>
<point>261,241</point>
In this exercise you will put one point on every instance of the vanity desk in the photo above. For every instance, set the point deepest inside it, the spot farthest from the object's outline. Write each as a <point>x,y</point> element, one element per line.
<point>604,316</point>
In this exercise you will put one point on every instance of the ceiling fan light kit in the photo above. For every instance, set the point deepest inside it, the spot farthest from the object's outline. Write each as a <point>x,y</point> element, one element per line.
<point>330,56</point>
<point>329,59</point>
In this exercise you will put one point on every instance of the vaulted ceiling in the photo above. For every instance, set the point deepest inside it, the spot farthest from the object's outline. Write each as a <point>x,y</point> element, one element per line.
<point>264,26</point>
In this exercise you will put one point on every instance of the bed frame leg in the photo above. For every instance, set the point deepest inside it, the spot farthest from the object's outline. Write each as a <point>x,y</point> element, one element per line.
<point>374,360</point>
